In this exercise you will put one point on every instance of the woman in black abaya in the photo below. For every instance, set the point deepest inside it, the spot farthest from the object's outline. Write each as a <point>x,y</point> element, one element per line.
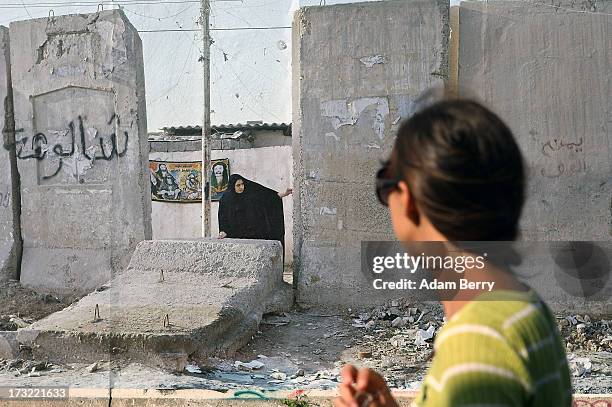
<point>248,210</point>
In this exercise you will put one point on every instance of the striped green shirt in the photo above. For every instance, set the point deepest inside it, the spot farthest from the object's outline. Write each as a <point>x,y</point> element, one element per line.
<point>501,350</point>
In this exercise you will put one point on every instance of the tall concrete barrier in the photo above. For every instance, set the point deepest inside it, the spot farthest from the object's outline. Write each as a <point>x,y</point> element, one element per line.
<point>546,71</point>
<point>357,69</point>
<point>10,244</point>
<point>81,144</point>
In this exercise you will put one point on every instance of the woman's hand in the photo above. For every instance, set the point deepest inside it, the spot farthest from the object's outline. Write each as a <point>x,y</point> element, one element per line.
<point>363,387</point>
<point>289,191</point>
<point>222,235</point>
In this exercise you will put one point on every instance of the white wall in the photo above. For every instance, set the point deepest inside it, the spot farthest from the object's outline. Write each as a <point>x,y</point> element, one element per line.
<point>269,166</point>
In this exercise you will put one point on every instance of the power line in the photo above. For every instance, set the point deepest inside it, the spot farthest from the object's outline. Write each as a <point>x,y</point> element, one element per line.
<point>85,3</point>
<point>158,18</point>
<point>26,9</point>
<point>216,29</point>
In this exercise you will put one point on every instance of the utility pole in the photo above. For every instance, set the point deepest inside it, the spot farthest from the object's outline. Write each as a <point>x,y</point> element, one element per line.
<point>206,193</point>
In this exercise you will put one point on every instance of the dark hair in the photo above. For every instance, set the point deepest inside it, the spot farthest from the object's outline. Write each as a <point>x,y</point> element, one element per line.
<point>464,170</point>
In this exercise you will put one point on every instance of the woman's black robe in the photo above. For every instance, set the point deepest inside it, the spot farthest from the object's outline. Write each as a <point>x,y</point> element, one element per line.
<point>256,213</point>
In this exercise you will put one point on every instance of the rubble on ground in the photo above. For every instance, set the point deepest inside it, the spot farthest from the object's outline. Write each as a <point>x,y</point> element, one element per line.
<point>20,306</point>
<point>306,349</point>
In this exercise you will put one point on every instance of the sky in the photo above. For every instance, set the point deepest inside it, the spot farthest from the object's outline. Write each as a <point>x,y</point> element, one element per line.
<point>250,69</point>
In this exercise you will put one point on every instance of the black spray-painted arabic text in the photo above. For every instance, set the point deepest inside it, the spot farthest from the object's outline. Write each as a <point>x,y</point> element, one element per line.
<point>39,145</point>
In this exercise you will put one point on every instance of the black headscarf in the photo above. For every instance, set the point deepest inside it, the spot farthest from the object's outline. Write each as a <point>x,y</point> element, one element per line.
<point>256,213</point>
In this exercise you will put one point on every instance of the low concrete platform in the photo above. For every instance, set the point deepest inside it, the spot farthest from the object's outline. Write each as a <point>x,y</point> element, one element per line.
<point>177,300</point>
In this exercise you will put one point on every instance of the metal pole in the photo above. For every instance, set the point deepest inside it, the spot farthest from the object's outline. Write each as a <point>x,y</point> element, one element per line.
<point>205,11</point>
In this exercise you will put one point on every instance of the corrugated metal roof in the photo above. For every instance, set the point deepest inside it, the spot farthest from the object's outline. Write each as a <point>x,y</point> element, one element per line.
<point>231,128</point>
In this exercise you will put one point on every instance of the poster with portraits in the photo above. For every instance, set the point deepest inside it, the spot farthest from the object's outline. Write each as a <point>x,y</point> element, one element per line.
<point>176,181</point>
<point>219,177</point>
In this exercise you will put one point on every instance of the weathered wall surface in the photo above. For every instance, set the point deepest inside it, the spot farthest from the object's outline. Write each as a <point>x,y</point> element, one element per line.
<point>357,69</point>
<point>9,229</point>
<point>82,148</point>
<point>269,166</point>
<point>546,71</point>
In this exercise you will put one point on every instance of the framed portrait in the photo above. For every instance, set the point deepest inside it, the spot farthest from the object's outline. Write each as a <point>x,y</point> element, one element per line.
<point>219,177</point>
<point>179,182</point>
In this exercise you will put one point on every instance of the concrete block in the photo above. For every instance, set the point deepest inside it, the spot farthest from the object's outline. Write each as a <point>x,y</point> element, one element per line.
<point>243,143</point>
<point>9,346</point>
<point>10,244</point>
<point>229,144</point>
<point>215,145</point>
<point>82,148</point>
<point>177,300</point>
<point>353,83</point>
<point>545,71</point>
<point>158,146</point>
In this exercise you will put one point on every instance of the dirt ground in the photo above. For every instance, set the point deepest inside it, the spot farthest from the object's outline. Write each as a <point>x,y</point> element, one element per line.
<point>302,349</point>
<point>19,302</point>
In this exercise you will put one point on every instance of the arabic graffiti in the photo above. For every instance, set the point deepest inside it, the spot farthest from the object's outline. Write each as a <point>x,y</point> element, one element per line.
<point>568,156</point>
<point>79,148</point>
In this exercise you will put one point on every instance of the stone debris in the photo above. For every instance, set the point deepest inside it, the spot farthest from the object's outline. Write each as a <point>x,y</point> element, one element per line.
<point>20,322</point>
<point>192,368</point>
<point>581,332</point>
<point>395,339</point>
<point>276,320</point>
<point>279,376</point>
<point>579,365</point>
<point>253,365</point>
<point>93,367</point>
<point>423,336</point>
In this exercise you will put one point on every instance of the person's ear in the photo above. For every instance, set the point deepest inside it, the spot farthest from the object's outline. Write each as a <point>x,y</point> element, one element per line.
<point>408,203</point>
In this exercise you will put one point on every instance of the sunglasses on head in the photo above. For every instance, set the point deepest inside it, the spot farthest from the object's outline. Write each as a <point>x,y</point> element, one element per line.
<point>385,183</point>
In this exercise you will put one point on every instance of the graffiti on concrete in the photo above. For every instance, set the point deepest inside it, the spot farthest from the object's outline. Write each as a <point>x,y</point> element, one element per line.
<point>81,149</point>
<point>567,155</point>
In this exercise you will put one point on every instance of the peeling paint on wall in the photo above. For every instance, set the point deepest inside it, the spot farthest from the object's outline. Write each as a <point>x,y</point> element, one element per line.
<point>343,113</point>
<point>373,60</point>
<point>327,211</point>
<point>332,135</point>
<point>312,175</point>
<point>338,112</point>
<point>405,106</point>
<point>382,111</point>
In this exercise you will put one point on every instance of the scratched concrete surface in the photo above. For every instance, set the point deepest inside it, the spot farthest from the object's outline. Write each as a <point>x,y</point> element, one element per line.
<point>546,70</point>
<point>209,301</point>
<point>82,148</point>
<point>357,70</point>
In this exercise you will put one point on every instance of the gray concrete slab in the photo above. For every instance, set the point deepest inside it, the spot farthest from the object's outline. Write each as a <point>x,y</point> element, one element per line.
<point>546,70</point>
<point>10,248</point>
<point>9,347</point>
<point>177,299</point>
<point>82,149</point>
<point>357,70</point>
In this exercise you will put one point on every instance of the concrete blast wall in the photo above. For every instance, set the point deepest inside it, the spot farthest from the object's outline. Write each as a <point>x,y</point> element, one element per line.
<point>82,149</point>
<point>357,69</point>
<point>10,244</point>
<point>546,71</point>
